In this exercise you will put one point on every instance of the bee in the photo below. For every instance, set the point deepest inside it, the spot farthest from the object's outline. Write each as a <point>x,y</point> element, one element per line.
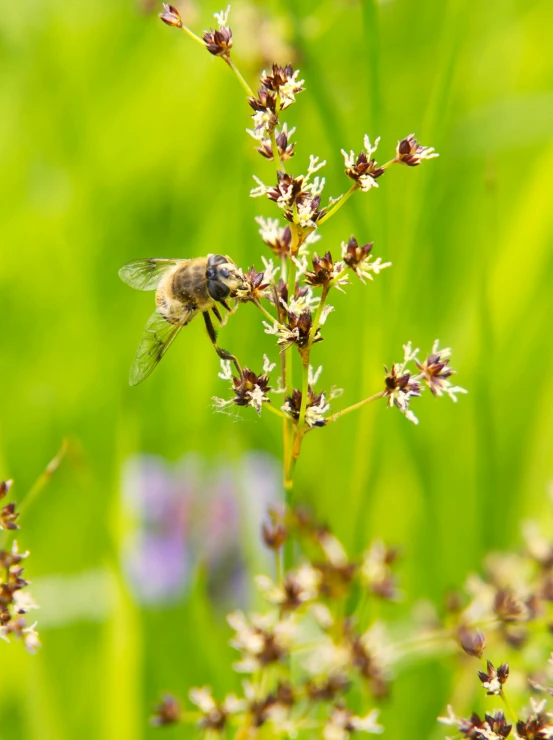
<point>184,288</point>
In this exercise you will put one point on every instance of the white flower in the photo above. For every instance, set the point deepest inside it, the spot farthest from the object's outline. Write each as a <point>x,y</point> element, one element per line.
<point>264,121</point>
<point>314,165</point>
<point>315,412</point>
<point>270,270</point>
<point>327,310</point>
<point>285,335</point>
<point>342,723</point>
<point>301,265</point>
<point>262,639</point>
<point>257,397</point>
<point>359,168</point>
<point>313,376</point>
<point>222,17</point>
<point>260,190</point>
<point>374,568</point>
<point>215,714</point>
<point>323,615</point>
<point>290,89</point>
<point>300,304</point>
<point>30,639</point>
<point>451,718</point>
<point>271,232</point>
<point>23,602</point>
<point>300,586</point>
<point>226,371</point>
<point>333,549</point>
<point>268,366</point>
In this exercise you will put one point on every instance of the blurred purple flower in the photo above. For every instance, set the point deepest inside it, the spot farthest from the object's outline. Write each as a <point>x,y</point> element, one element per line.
<point>194,512</point>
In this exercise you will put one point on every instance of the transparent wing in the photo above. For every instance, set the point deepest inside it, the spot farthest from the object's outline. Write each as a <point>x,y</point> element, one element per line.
<point>146,274</point>
<point>158,336</point>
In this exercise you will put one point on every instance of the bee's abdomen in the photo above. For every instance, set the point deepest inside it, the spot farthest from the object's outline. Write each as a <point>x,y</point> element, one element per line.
<point>189,283</point>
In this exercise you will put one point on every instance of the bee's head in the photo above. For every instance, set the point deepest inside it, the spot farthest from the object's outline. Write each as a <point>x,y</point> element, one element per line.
<point>223,277</point>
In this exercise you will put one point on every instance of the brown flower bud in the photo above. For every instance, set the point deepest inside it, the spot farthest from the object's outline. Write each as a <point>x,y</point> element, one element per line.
<point>473,642</point>
<point>171,16</point>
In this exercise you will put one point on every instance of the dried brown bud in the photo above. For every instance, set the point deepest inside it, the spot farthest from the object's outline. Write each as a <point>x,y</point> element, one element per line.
<point>171,16</point>
<point>411,153</point>
<point>323,270</point>
<point>453,602</point>
<point>167,712</point>
<point>8,515</point>
<point>251,389</point>
<point>315,410</point>
<point>274,533</point>
<point>493,679</point>
<point>473,642</point>
<point>353,254</point>
<point>219,42</point>
<point>329,689</point>
<point>508,607</point>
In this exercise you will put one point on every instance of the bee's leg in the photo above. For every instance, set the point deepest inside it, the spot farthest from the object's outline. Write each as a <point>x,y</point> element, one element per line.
<point>228,308</point>
<point>221,352</point>
<point>217,314</point>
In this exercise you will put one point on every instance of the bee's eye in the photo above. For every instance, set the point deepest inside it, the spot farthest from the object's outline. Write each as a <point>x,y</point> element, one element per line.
<point>217,290</point>
<point>211,273</point>
<point>223,272</point>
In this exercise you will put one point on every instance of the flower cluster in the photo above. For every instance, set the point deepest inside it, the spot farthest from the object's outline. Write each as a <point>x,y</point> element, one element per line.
<point>335,655</point>
<point>277,92</point>
<point>401,385</point>
<point>299,198</point>
<point>362,169</point>
<point>511,602</point>
<point>314,647</point>
<point>296,310</point>
<point>15,602</point>
<point>411,153</point>
<point>219,41</point>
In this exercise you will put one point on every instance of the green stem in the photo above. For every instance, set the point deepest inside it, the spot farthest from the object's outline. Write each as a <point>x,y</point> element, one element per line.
<point>193,36</point>
<point>241,80</point>
<point>278,563</point>
<point>267,315</point>
<point>44,477</point>
<point>278,160</point>
<point>304,393</point>
<point>276,411</point>
<point>338,205</point>
<point>356,406</point>
<point>508,706</point>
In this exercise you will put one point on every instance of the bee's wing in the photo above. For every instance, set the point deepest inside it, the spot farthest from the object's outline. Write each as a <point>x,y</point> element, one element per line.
<point>158,337</point>
<point>146,274</point>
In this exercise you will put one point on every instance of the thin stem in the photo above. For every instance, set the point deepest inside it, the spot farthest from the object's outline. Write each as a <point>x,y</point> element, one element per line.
<point>192,35</point>
<point>278,563</point>
<point>289,384</point>
<point>267,315</point>
<point>278,160</point>
<point>276,411</point>
<point>304,394</point>
<point>241,80</point>
<point>508,706</point>
<point>356,406</point>
<point>339,204</point>
<point>44,477</point>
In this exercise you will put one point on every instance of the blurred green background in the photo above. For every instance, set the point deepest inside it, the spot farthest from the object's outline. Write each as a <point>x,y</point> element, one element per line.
<point>120,139</point>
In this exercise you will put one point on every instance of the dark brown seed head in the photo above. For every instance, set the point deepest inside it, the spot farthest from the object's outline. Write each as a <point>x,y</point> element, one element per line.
<point>171,16</point>
<point>473,642</point>
<point>167,712</point>
<point>218,42</point>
